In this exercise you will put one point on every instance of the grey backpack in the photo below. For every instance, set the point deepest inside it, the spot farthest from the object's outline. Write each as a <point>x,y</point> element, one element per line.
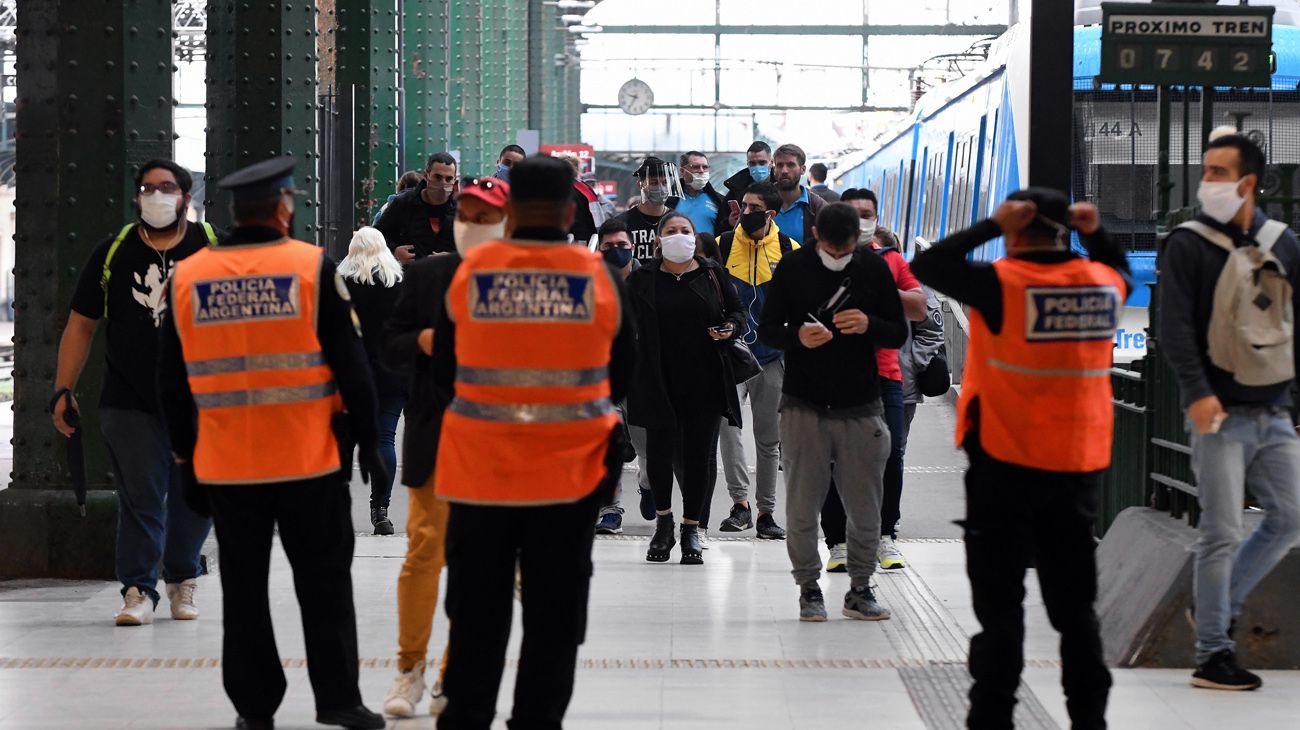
<point>1252,325</point>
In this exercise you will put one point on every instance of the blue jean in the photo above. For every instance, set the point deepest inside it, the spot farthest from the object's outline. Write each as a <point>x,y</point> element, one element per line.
<point>390,410</point>
<point>153,521</point>
<point>1258,447</point>
<point>891,506</point>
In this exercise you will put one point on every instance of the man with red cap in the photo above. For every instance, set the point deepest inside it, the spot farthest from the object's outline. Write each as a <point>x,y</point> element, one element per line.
<point>480,217</point>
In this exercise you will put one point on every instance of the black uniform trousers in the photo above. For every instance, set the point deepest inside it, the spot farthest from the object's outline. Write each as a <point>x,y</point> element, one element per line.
<point>552,546</point>
<point>315,525</point>
<point>1017,517</point>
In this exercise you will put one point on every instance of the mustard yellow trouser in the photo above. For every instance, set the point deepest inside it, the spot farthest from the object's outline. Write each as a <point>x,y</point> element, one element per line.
<point>417,585</point>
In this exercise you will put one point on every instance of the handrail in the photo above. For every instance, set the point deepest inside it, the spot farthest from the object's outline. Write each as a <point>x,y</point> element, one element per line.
<point>958,313</point>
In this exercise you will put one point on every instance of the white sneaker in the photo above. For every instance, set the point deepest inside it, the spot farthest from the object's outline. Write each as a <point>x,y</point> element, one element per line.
<point>137,609</point>
<point>181,597</point>
<point>839,556</point>
<point>888,554</point>
<point>405,695</point>
<point>439,702</point>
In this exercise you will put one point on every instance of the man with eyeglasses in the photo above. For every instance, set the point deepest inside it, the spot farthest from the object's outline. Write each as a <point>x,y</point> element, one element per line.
<point>829,306</point>
<point>418,222</point>
<point>126,275</point>
<point>704,205</point>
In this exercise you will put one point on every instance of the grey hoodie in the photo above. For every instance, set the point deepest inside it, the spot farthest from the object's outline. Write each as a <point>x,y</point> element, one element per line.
<point>924,341</point>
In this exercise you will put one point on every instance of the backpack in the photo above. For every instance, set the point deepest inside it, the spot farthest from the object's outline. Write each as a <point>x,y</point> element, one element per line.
<point>1252,325</point>
<point>107,273</point>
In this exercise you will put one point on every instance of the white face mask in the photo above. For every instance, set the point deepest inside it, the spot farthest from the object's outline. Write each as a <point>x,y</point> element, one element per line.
<point>678,248</point>
<point>832,263</point>
<point>866,229</point>
<point>469,235</point>
<point>1220,200</point>
<point>698,181</point>
<point>159,209</point>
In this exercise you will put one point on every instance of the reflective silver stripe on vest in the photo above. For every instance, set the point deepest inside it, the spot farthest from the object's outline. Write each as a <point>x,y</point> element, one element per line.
<point>265,396</point>
<point>525,377</point>
<point>532,412</point>
<point>1048,372</point>
<point>244,363</point>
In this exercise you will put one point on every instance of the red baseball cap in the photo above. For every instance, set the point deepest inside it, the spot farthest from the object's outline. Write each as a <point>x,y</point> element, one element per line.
<point>490,190</point>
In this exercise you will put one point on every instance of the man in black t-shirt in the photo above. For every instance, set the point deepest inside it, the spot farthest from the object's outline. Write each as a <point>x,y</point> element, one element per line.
<point>418,222</point>
<point>124,282</point>
<point>643,219</point>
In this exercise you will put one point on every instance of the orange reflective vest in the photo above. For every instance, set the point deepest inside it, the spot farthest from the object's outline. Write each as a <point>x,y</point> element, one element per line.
<point>532,416</point>
<point>1043,380</point>
<point>246,317</point>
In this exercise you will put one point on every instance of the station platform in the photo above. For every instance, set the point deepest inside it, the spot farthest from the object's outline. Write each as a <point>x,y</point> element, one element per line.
<point>669,647</point>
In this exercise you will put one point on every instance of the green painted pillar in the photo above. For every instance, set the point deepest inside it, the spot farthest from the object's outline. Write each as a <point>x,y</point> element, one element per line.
<point>262,78</point>
<point>94,101</point>
<point>424,59</point>
<point>367,56</point>
<point>465,83</point>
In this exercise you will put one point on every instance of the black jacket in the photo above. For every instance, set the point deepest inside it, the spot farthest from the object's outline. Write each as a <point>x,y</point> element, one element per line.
<point>647,403</point>
<point>406,222</point>
<point>424,290</point>
<point>737,184</point>
<point>374,304</point>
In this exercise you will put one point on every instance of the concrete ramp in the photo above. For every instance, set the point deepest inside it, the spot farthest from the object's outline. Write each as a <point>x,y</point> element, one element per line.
<point>1145,587</point>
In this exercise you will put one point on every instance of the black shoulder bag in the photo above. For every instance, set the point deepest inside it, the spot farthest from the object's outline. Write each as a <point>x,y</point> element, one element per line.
<point>744,366</point>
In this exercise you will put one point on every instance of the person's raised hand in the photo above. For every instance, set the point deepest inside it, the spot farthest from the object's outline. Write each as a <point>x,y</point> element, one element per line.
<point>404,254</point>
<point>1085,218</point>
<point>851,321</point>
<point>1014,216</point>
<point>813,336</point>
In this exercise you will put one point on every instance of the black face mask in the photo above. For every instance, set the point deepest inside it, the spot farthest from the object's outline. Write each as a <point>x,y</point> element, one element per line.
<point>753,222</point>
<point>618,257</point>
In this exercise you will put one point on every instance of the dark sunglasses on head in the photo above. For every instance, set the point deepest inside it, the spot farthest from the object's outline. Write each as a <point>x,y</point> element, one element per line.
<point>486,183</point>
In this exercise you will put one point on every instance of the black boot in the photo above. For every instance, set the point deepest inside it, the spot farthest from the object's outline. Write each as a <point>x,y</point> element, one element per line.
<point>379,519</point>
<point>358,718</point>
<point>692,548</point>
<point>663,541</point>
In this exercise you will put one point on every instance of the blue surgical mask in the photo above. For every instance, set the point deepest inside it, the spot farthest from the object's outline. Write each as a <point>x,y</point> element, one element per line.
<point>503,173</point>
<point>618,257</point>
<point>760,173</point>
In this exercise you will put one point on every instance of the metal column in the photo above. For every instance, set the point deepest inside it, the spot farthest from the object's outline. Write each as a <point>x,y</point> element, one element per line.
<point>262,97</point>
<point>366,42</point>
<point>424,80</point>
<point>94,101</point>
<point>465,82</point>
<point>1051,57</point>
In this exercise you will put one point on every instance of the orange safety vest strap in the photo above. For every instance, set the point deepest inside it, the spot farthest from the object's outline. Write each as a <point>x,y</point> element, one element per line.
<point>531,378</point>
<point>532,412</point>
<point>1048,372</point>
<point>265,396</point>
<point>244,363</point>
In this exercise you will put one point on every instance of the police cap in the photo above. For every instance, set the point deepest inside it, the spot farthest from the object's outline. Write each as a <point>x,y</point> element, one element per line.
<point>261,181</point>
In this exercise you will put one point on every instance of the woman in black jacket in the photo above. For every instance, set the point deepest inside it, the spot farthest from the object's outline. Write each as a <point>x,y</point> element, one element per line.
<point>686,314</point>
<point>373,278</point>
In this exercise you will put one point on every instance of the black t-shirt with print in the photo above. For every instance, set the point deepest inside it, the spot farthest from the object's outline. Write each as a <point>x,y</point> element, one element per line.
<point>136,286</point>
<point>641,229</point>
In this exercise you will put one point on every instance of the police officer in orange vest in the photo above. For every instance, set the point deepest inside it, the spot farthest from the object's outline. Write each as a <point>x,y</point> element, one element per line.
<point>537,343</point>
<point>260,359</point>
<point>1035,419</point>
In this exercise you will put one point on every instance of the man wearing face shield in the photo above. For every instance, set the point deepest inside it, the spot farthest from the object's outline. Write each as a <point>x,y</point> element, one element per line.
<point>656,181</point>
<point>418,223</point>
<point>260,360</point>
<point>1242,436</point>
<point>1036,420</point>
<point>124,282</point>
<point>705,206</point>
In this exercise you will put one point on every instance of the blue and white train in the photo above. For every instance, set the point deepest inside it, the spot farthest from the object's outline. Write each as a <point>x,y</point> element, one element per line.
<point>963,149</point>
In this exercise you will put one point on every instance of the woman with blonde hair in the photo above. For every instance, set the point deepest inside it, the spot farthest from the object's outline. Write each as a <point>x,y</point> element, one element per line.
<point>373,278</point>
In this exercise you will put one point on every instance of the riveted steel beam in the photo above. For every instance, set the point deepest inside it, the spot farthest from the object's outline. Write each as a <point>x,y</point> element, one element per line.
<point>262,78</point>
<point>465,81</point>
<point>424,55</point>
<point>367,57</point>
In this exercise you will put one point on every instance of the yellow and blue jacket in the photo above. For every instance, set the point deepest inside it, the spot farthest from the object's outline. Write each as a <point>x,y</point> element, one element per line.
<point>750,264</point>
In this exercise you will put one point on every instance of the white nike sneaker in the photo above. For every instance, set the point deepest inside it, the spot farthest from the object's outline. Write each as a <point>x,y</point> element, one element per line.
<point>181,597</point>
<point>406,693</point>
<point>137,609</point>
<point>889,556</point>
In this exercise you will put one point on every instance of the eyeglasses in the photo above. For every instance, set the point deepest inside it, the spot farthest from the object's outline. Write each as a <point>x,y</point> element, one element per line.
<point>167,188</point>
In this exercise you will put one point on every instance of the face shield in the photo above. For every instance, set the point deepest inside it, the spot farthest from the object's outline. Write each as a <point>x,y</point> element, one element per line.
<point>659,181</point>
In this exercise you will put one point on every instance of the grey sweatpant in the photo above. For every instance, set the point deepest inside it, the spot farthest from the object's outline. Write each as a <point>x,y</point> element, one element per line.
<point>764,391</point>
<point>817,447</point>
